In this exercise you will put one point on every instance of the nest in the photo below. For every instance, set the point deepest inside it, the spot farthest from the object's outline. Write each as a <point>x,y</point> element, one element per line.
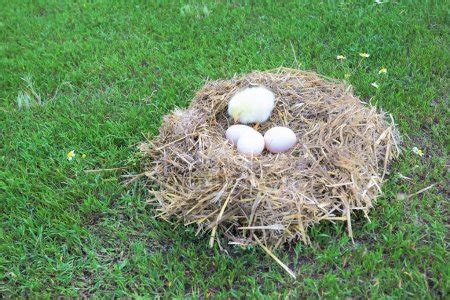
<point>337,167</point>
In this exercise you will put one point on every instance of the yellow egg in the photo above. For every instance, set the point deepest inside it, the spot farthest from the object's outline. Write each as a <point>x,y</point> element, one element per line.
<point>251,143</point>
<point>234,132</point>
<point>279,139</point>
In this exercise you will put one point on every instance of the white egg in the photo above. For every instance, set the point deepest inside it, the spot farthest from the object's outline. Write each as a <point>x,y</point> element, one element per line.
<point>234,132</point>
<point>251,143</point>
<point>279,139</point>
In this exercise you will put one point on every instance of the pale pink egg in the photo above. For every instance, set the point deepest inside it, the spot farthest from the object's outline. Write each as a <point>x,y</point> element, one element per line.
<point>234,132</point>
<point>279,139</point>
<point>251,143</point>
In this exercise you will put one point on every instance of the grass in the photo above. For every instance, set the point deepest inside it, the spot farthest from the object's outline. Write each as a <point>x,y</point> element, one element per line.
<point>97,76</point>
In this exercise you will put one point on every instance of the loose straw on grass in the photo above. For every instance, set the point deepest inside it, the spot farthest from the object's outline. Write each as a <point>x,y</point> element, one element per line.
<point>286,268</point>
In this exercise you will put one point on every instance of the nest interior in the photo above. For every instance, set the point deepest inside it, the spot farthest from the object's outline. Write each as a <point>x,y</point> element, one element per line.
<point>337,166</point>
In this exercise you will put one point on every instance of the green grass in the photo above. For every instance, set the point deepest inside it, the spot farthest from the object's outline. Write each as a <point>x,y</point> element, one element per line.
<point>107,72</point>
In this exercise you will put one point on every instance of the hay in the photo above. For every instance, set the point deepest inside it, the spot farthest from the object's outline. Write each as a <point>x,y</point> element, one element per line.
<point>337,167</point>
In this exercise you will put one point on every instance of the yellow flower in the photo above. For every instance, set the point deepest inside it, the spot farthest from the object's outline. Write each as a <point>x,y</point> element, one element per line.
<point>364,55</point>
<point>375,85</point>
<point>417,151</point>
<point>346,75</point>
<point>71,155</point>
<point>341,57</point>
<point>382,71</point>
<point>83,155</point>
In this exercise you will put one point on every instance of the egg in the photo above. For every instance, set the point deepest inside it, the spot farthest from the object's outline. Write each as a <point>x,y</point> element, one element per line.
<point>234,132</point>
<point>279,139</point>
<point>251,143</point>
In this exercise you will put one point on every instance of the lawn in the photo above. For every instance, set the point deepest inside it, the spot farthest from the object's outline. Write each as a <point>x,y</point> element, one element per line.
<point>97,77</point>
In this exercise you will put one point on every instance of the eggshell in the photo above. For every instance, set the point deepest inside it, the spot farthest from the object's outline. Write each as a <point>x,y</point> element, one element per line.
<point>279,139</point>
<point>234,132</point>
<point>251,143</point>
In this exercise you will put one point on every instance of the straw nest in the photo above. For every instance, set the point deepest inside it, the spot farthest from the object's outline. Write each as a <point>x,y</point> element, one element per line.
<point>337,167</point>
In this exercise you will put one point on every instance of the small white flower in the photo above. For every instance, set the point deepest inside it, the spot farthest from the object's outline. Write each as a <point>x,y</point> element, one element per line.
<point>417,151</point>
<point>71,155</point>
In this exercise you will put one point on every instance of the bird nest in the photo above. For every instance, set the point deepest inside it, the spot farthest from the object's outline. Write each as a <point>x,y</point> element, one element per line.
<point>337,167</point>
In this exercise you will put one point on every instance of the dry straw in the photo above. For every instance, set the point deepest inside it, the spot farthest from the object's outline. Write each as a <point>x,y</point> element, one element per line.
<point>337,167</point>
